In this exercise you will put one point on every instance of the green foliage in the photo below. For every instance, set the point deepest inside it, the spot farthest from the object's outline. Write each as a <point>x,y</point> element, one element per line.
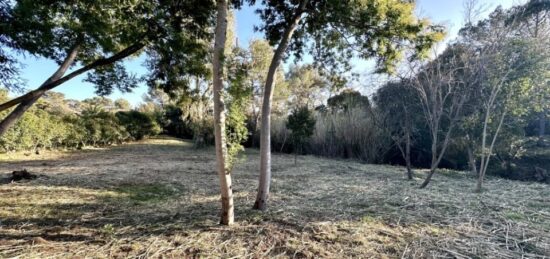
<point>348,99</point>
<point>302,124</point>
<point>173,35</point>
<point>109,77</point>
<point>103,128</point>
<point>3,95</point>
<point>139,125</point>
<point>54,125</point>
<point>36,129</point>
<point>500,66</point>
<point>239,93</point>
<point>335,31</point>
<point>306,86</point>
<point>122,105</point>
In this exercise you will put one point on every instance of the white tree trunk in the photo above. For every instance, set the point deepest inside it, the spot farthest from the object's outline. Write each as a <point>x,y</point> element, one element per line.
<point>265,131</point>
<point>227,213</point>
<point>486,154</point>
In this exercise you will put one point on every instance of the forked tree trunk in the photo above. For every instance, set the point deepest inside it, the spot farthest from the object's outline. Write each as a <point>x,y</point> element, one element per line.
<point>436,158</point>
<point>227,213</point>
<point>265,131</point>
<point>26,104</point>
<point>486,154</point>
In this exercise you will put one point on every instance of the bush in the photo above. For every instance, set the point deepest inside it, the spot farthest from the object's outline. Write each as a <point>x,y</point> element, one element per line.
<point>138,124</point>
<point>302,124</point>
<point>36,128</point>
<point>103,128</point>
<point>40,127</point>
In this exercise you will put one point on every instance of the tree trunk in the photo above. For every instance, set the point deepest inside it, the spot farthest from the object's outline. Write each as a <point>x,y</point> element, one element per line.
<point>542,127</point>
<point>410,174</point>
<point>227,214</point>
<point>479,183</point>
<point>265,131</point>
<point>434,163</point>
<point>26,104</point>
<point>428,178</point>
<point>486,154</point>
<point>132,49</point>
<point>472,161</point>
<point>295,157</point>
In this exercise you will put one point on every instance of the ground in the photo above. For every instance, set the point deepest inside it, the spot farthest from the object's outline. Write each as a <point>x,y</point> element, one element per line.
<point>159,198</point>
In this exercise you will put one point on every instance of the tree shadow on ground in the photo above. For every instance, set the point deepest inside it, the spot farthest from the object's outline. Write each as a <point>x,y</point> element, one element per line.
<point>142,191</point>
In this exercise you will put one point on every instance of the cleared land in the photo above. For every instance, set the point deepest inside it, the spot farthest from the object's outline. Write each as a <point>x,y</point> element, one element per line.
<point>159,198</point>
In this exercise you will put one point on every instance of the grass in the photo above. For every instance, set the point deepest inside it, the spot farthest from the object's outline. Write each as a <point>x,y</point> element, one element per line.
<point>159,198</point>
<point>147,192</point>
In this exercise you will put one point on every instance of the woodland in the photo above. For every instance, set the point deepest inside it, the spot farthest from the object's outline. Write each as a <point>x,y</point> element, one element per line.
<point>277,148</point>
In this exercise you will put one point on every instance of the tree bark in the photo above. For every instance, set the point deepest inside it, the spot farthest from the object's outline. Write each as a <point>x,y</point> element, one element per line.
<point>434,163</point>
<point>26,104</point>
<point>265,131</point>
<point>410,174</point>
<point>227,213</point>
<point>542,127</point>
<point>53,84</point>
<point>472,161</point>
<point>436,159</point>
<point>479,184</point>
<point>486,155</point>
<point>428,178</point>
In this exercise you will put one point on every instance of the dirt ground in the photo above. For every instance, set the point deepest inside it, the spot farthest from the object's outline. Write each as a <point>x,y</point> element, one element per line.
<point>159,199</point>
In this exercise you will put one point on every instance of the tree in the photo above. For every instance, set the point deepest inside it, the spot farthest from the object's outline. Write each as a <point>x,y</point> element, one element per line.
<point>122,104</point>
<point>348,99</point>
<point>506,65</point>
<point>138,125</point>
<point>532,20</point>
<point>306,85</point>
<point>227,213</point>
<point>332,31</point>
<point>260,54</point>
<point>9,67</point>
<point>98,103</point>
<point>302,124</point>
<point>441,86</point>
<point>397,100</point>
<point>83,32</point>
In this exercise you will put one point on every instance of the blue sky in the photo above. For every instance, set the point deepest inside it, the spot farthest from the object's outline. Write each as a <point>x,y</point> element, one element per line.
<point>36,70</point>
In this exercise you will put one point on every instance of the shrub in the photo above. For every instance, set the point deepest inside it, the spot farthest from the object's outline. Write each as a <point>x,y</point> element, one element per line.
<point>302,124</point>
<point>139,125</point>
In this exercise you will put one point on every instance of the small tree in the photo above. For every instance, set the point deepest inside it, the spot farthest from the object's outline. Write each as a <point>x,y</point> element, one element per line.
<point>401,109</point>
<point>333,33</point>
<point>508,66</point>
<point>302,124</point>
<point>442,89</point>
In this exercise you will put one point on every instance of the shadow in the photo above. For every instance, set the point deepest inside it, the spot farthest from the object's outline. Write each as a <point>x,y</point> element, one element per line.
<point>141,190</point>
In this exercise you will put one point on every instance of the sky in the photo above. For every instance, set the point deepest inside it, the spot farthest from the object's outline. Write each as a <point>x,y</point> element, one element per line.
<point>36,70</point>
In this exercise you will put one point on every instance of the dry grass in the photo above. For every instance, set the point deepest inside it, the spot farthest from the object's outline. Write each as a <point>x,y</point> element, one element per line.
<point>159,199</point>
